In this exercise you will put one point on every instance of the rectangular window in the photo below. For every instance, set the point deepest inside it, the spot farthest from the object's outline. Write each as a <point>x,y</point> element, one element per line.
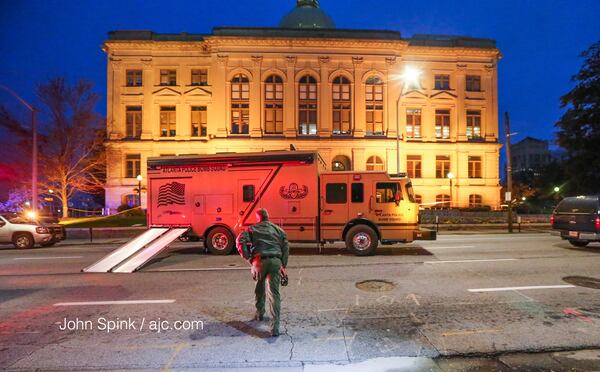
<point>475,201</point>
<point>199,120</point>
<point>473,124</point>
<point>168,77</point>
<point>134,78</point>
<point>133,121</point>
<point>240,118</point>
<point>473,83</point>
<point>200,76</point>
<point>374,109</point>
<point>167,121</point>
<point>413,166</point>
<point>132,165</point>
<point>474,166</point>
<point>274,118</point>
<point>442,82</point>
<point>307,124</point>
<point>342,113</point>
<point>442,124</point>
<point>413,123</point>
<point>248,193</point>
<point>358,192</point>
<point>335,193</point>
<point>442,166</point>
<point>386,192</point>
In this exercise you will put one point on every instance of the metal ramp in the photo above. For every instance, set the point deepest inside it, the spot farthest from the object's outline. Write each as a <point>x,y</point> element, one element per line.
<point>145,246</point>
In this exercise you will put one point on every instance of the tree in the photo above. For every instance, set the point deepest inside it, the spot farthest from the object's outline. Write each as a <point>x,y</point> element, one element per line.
<point>71,153</point>
<point>579,128</point>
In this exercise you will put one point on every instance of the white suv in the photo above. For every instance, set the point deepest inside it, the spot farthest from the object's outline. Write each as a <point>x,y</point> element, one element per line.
<point>25,234</point>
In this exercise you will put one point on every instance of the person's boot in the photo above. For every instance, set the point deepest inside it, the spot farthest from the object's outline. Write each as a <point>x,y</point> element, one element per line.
<point>275,333</point>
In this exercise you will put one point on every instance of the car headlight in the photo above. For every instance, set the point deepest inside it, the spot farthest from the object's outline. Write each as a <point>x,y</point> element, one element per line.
<point>42,230</point>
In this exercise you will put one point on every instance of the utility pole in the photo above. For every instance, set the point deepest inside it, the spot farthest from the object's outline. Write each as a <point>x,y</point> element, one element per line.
<point>508,195</point>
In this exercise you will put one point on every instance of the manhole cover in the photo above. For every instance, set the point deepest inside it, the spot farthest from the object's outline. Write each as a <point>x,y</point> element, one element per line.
<point>583,281</point>
<point>375,285</point>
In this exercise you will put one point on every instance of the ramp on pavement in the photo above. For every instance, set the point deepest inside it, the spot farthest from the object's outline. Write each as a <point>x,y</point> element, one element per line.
<point>134,254</point>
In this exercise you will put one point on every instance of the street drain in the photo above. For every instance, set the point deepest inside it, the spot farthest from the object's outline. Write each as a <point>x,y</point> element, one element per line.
<point>375,285</point>
<point>583,281</point>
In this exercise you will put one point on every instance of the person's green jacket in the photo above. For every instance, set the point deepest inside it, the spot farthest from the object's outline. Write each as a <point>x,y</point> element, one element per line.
<point>266,240</point>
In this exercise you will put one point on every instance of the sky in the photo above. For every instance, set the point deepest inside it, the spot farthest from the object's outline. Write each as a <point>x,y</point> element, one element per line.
<point>540,40</point>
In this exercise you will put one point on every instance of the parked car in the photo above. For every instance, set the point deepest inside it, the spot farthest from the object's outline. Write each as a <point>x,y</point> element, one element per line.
<point>577,219</point>
<point>24,233</point>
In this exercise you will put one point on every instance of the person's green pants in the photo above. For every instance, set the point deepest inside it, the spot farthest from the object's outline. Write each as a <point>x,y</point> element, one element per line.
<point>269,269</point>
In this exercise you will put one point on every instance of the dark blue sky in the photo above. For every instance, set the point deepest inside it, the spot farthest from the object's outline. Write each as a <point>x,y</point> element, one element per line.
<point>540,40</point>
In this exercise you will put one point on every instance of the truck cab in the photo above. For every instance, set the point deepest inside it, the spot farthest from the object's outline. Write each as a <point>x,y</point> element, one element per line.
<point>363,208</point>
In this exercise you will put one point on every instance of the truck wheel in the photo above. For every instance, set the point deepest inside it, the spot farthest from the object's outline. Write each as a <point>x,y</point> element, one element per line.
<point>579,243</point>
<point>220,241</point>
<point>23,241</point>
<point>361,240</point>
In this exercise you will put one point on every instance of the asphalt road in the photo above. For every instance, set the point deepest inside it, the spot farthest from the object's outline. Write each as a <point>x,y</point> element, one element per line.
<point>475,295</point>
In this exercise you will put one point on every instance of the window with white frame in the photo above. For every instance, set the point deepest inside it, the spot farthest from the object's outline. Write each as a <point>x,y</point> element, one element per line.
<point>374,106</point>
<point>342,105</point>
<point>273,105</point>
<point>307,105</point>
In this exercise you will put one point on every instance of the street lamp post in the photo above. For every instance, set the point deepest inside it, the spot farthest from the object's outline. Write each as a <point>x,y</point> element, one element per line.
<point>450,177</point>
<point>139,190</point>
<point>34,155</point>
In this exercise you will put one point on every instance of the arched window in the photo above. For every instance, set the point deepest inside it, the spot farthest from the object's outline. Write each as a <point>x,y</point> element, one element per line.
<point>240,104</point>
<point>307,105</point>
<point>475,201</point>
<point>374,106</point>
<point>342,105</point>
<point>274,105</point>
<point>341,163</point>
<point>374,163</point>
<point>442,201</point>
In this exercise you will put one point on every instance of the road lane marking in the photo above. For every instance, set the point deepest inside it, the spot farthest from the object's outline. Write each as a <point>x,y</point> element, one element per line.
<point>468,261</point>
<point>413,297</point>
<point>129,302</point>
<point>199,269</point>
<point>449,247</point>
<point>500,289</point>
<point>334,309</point>
<point>469,332</point>
<point>46,258</point>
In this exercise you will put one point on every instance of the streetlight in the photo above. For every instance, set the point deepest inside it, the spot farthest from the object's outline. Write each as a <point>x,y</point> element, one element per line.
<point>34,171</point>
<point>411,78</point>
<point>450,176</point>
<point>556,189</point>
<point>139,189</point>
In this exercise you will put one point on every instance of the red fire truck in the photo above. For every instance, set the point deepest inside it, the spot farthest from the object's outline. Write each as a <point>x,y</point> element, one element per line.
<point>216,196</point>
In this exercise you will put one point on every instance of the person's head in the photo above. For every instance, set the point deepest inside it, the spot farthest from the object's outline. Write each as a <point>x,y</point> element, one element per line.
<point>262,215</point>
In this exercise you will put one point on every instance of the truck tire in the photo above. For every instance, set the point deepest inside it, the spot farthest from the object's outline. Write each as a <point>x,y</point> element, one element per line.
<point>361,240</point>
<point>579,243</point>
<point>220,241</point>
<point>23,241</point>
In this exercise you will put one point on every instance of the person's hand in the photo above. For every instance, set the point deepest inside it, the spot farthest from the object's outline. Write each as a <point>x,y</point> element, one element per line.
<point>255,272</point>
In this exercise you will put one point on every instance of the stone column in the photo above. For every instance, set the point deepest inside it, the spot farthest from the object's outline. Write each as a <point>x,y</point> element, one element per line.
<point>218,116</point>
<point>392,91</point>
<point>148,120</point>
<point>117,120</point>
<point>358,93</point>
<point>256,102</point>
<point>489,123</point>
<point>358,159</point>
<point>290,105</point>
<point>324,98</point>
<point>458,131</point>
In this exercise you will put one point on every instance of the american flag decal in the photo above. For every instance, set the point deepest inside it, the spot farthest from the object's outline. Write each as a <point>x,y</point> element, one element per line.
<point>171,193</point>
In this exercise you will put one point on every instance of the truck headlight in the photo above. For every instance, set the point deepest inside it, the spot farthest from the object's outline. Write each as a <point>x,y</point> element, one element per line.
<point>42,230</point>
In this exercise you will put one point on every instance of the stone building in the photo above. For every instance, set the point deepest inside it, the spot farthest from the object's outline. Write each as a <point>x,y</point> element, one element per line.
<point>353,95</point>
<point>530,155</point>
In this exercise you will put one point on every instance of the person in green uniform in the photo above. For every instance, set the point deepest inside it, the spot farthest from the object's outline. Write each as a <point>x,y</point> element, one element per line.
<point>266,248</point>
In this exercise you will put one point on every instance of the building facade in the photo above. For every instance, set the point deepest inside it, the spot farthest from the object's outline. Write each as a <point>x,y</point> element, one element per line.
<point>353,95</point>
<point>530,155</point>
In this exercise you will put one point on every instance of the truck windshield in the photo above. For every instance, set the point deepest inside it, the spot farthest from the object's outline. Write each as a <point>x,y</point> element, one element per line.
<point>410,192</point>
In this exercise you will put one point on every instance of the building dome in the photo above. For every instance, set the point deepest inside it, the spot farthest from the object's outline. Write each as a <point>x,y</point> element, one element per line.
<point>307,14</point>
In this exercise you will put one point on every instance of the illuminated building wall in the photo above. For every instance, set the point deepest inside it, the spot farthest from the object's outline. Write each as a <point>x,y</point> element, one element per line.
<point>331,90</point>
